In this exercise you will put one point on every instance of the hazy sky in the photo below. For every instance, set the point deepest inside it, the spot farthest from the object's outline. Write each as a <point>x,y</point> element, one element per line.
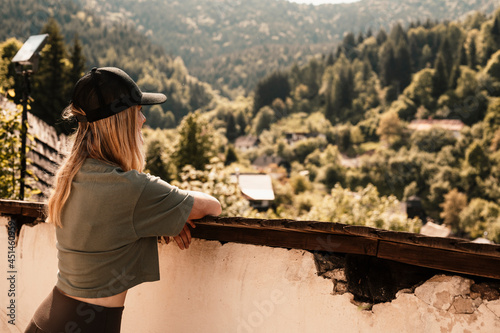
<point>319,2</point>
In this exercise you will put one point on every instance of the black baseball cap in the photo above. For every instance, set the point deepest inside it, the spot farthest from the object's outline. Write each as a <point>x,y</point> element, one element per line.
<point>104,92</point>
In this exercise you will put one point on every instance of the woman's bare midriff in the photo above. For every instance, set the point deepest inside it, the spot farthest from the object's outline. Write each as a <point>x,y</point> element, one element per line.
<point>114,301</point>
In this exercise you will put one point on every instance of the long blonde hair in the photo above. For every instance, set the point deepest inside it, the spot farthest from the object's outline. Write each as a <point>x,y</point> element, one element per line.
<point>114,140</point>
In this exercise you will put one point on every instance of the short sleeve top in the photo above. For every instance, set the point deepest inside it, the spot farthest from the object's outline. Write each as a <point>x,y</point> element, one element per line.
<point>110,224</point>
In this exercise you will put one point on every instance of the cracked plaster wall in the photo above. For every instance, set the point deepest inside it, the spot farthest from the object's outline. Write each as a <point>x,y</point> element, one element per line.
<point>245,288</point>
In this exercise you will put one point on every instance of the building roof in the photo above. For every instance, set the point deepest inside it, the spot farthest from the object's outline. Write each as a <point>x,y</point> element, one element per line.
<point>426,124</point>
<point>448,254</point>
<point>256,186</point>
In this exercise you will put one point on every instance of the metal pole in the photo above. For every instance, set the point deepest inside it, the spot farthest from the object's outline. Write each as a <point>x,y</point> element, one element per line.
<point>24,132</point>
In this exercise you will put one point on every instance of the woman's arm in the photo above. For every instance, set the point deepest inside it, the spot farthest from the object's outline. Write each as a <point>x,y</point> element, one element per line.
<point>203,205</point>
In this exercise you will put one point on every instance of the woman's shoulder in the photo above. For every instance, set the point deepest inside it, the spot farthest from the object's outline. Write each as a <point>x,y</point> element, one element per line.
<point>103,171</point>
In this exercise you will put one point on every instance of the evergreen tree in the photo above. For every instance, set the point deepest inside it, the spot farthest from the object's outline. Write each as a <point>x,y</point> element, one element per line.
<point>77,61</point>
<point>440,77</point>
<point>369,33</point>
<point>456,72</point>
<point>360,38</point>
<point>242,123</point>
<point>447,53</point>
<point>231,156</point>
<point>330,60</point>
<point>195,144</point>
<point>386,63</point>
<point>495,30</point>
<point>398,34</point>
<point>231,130</point>
<point>381,37</point>
<point>403,65</point>
<point>155,163</point>
<point>472,59</point>
<point>51,91</point>
<point>274,86</point>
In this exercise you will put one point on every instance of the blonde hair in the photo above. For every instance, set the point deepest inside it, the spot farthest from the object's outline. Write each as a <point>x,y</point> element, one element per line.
<point>114,140</point>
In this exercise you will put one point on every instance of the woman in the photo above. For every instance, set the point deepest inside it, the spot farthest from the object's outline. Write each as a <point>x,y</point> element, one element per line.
<point>108,214</point>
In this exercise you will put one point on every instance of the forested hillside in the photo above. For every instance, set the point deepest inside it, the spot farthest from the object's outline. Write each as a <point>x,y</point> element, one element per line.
<point>103,43</point>
<point>233,43</point>
<point>340,131</point>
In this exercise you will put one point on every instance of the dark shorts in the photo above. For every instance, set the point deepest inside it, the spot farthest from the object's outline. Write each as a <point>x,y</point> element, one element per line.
<point>59,313</point>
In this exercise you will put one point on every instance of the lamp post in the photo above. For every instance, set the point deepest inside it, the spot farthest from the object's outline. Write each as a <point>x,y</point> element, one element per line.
<point>26,63</point>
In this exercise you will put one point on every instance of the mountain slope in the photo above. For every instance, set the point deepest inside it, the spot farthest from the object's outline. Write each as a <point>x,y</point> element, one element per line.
<point>206,33</point>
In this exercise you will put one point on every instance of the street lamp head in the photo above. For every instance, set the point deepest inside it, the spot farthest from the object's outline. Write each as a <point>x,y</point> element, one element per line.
<point>29,54</point>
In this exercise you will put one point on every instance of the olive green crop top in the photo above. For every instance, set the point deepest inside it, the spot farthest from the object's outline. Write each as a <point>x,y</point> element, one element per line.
<point>110,224</point>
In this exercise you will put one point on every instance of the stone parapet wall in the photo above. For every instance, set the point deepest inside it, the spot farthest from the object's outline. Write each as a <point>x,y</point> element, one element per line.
<point>214,287</point>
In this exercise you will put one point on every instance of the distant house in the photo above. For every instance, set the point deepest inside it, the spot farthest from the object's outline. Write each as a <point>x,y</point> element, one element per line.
<point>244,143</point>
<point>256,188</point>
<point>452,125</point>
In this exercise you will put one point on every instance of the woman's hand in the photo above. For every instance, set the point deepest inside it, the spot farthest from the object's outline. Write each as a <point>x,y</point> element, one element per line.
<point>184,238</point>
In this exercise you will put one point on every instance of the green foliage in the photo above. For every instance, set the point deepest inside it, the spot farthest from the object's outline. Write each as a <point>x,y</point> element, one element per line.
<point>77,60</point>
<point>158,155</point>
<point>363,207</point>
<point>270,88</point>
<point>476,157</point>
<point>10,155</point>
<point>480,219</point>
<point>231,130</point>
<point>432,140</point>
<point>231,155</point>
<point>215,180</point>
<point>493,66</point>
<point>195,145</point>
<point>51,87</point>
<point>390,129</point>
<point>8,77</point>
<point>454,203</point>
<point>263,120</point>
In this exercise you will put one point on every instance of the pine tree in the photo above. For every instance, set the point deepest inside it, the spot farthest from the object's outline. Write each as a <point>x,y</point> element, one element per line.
<point>195,143</point>
<point>386,63</point>
<point>51,87</point>
<point>403,65</point>
<point>77,60</point>
<point>455,72</point>
<point>398,34</point>
<point>360,38</point>
<point>447,53</point>
<point>495,30</point>
<point>231,130</point>
<point>242,123</point>
<point>330,60</point>
<point>440,77</point>
<point>231,156</point>
<point>472,59</point>
<point>381,37</point>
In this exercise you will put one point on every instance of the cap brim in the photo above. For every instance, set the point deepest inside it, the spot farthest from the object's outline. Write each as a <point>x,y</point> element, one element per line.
<point>152,98</point>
